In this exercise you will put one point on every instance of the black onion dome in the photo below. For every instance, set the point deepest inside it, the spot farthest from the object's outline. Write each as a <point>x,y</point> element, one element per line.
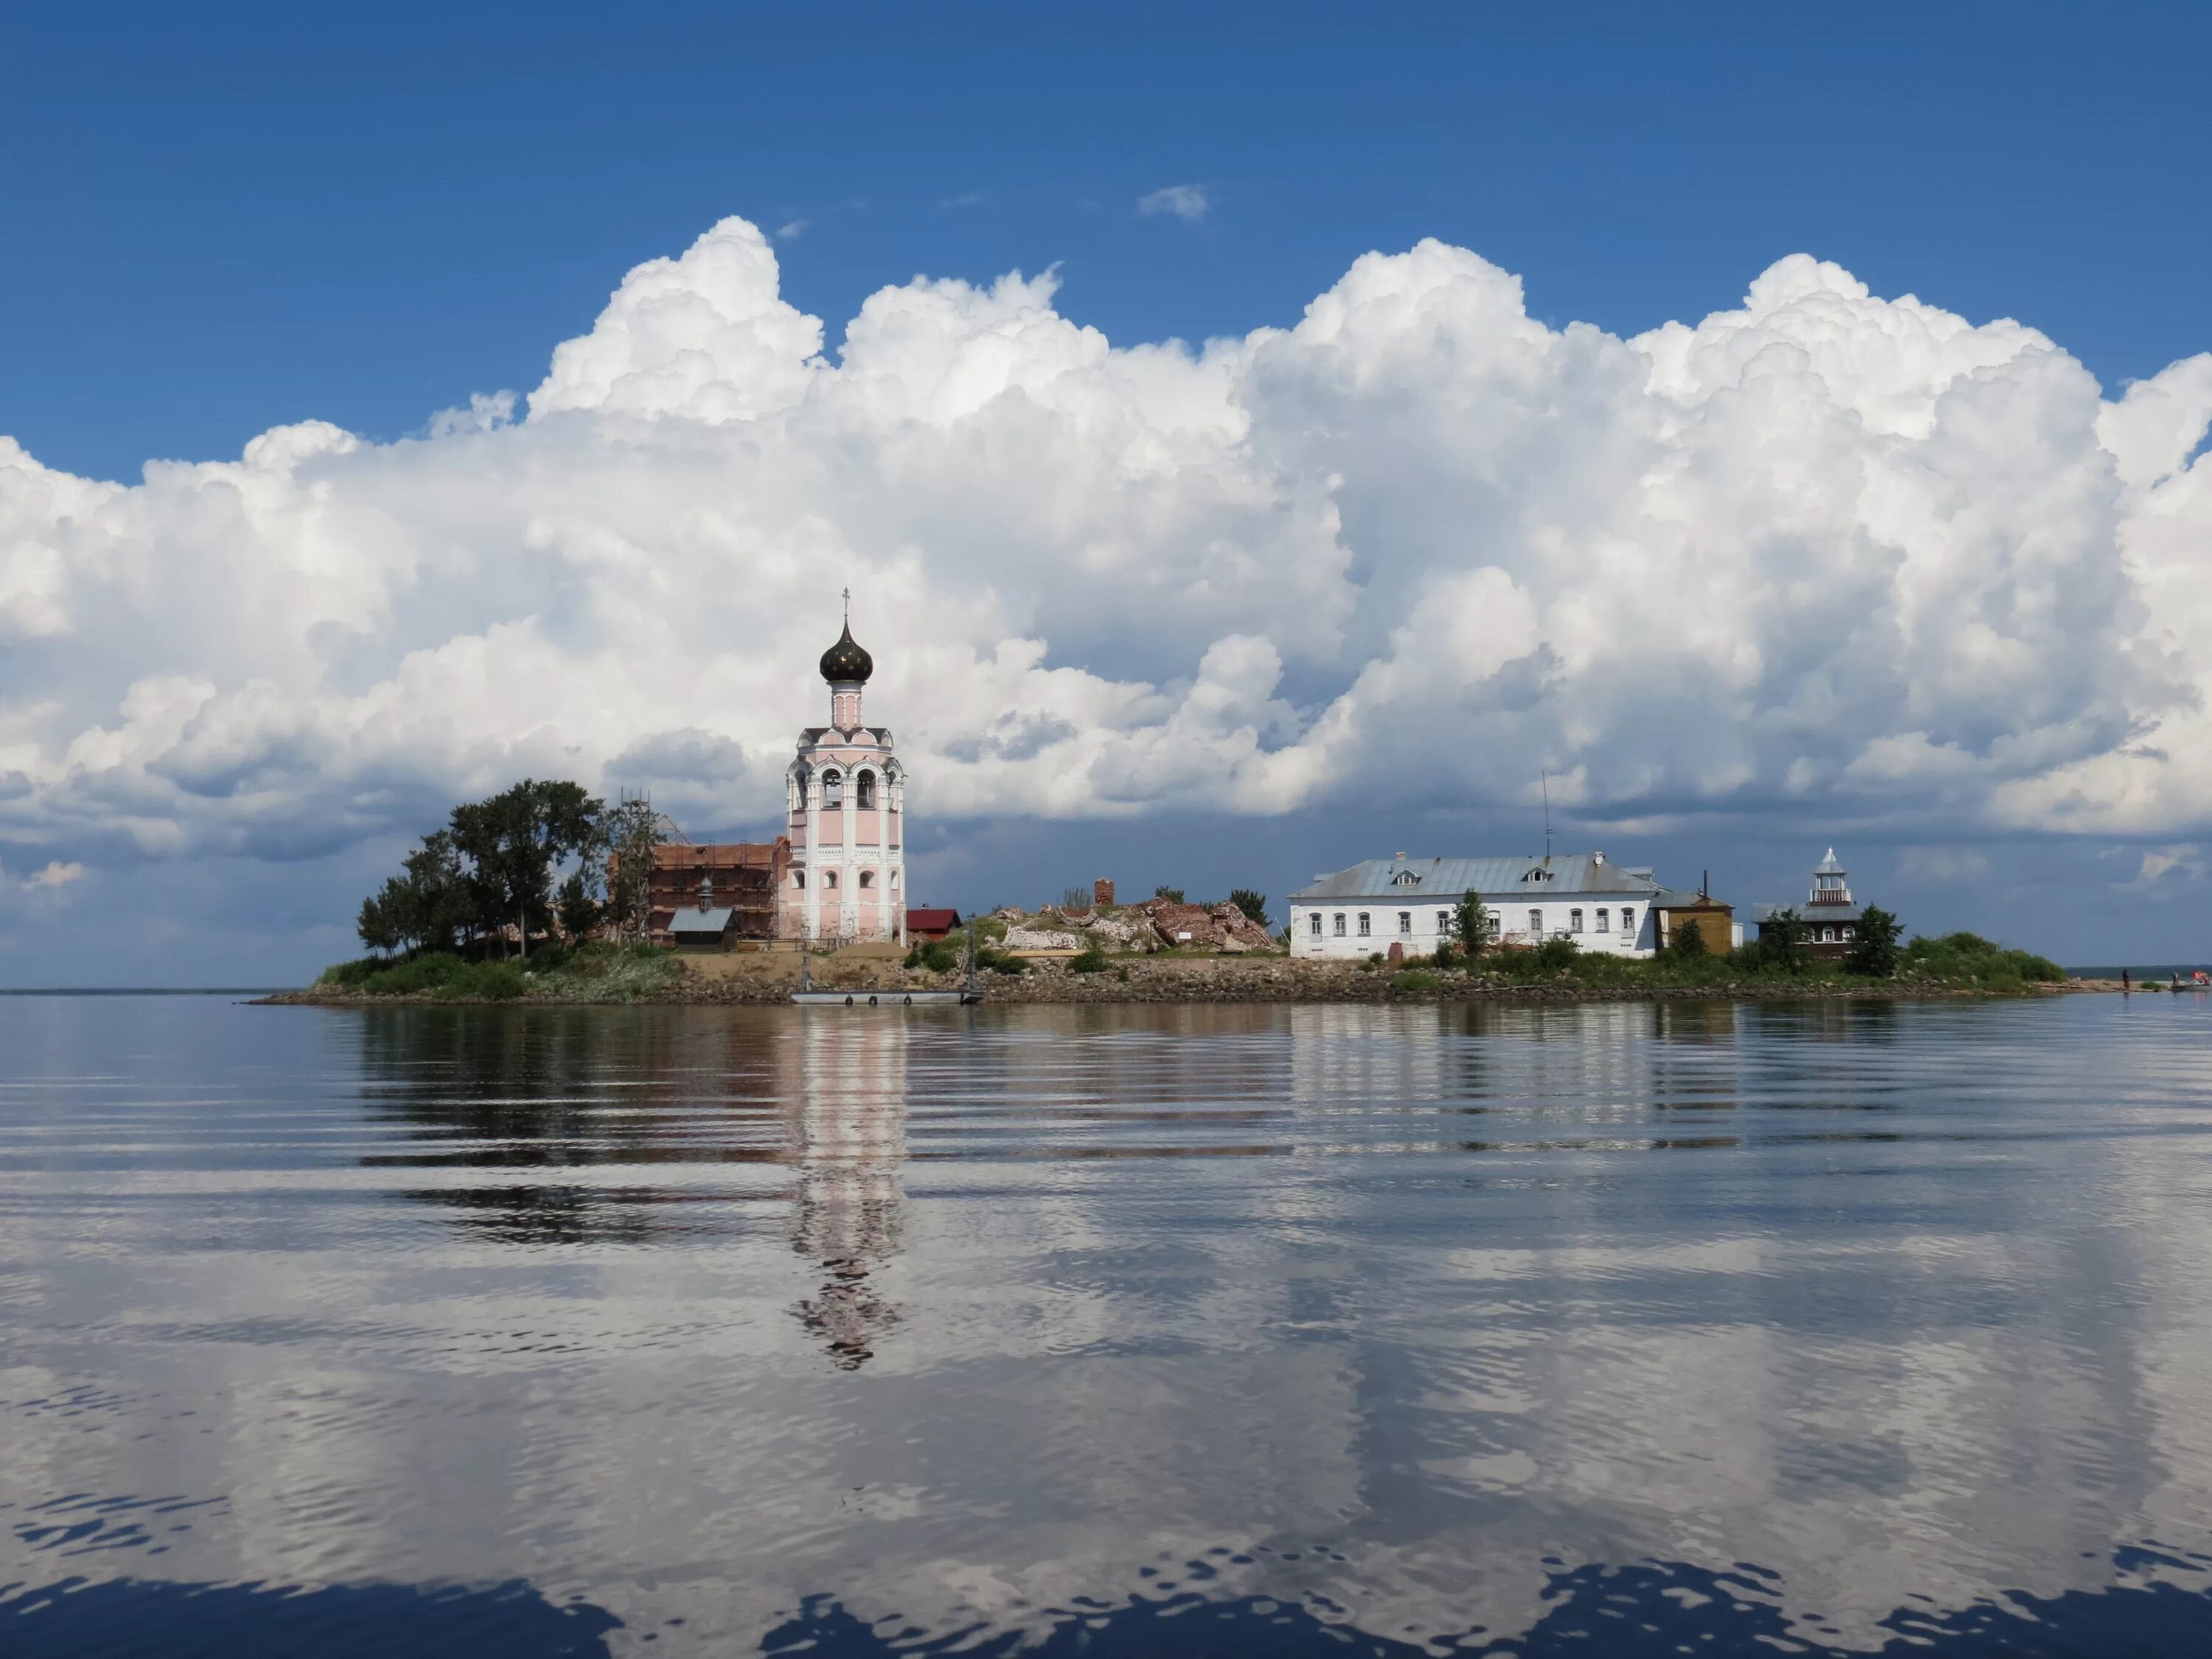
<point>846,662</point>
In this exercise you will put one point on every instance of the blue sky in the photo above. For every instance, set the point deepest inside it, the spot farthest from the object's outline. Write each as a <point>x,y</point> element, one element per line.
<point>221,220</point>
<point>224,217</point>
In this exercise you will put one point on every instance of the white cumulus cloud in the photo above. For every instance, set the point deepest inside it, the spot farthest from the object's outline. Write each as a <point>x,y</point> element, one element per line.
<point>1825,555</point>
<point>1185,202</point>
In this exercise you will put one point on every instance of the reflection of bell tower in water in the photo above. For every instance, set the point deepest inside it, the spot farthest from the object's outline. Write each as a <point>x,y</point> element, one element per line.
<point>848,1141</point>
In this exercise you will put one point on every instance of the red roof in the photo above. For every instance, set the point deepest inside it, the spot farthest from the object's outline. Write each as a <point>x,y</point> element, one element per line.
<point>931,921</point>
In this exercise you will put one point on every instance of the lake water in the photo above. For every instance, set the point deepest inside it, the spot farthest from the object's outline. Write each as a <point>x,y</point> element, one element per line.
<point>1631,1329</point>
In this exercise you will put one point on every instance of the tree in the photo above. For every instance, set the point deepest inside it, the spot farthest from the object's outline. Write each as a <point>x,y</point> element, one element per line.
<point>376,927</point>
<point>514,841</point>
<point>425,905</point>
<point>1686,942</point>
<point>630,831</point>
<point>580,911</point>
<point>1471,926</point>
<point>1172,895</point>
<point>1782,940</point>
<point>1253,905</point>
<point>1875,950</point>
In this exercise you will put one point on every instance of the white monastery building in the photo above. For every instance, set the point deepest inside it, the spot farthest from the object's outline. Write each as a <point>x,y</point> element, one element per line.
<point>1601,905</point>
<point>847,796</point>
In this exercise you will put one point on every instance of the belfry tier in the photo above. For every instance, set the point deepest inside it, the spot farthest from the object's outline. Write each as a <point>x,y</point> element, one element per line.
<point>846,793</point>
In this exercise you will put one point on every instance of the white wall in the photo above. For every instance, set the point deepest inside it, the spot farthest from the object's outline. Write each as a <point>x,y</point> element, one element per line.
<point>1432,921</point>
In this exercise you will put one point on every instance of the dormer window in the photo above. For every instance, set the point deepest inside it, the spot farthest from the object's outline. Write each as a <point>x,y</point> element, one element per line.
<point>1538,873</point>
<point>1405,879</point>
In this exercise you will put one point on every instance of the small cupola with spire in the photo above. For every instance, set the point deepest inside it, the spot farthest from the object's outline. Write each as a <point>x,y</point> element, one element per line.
<point>847,667</point>
<point>1829,886</point>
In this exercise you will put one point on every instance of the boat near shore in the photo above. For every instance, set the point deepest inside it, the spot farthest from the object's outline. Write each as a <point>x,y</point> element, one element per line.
<point>897,997</point>
<point>885,999</point>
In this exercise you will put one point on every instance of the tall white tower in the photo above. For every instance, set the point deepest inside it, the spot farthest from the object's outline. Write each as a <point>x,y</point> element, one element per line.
<point>846,793</point>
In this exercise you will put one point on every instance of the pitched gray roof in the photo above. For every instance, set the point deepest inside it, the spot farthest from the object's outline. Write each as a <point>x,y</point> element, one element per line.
<point>1492,877</point>
<point>699,921</point>
<point>1828,866</point>
<point>1812,915</point>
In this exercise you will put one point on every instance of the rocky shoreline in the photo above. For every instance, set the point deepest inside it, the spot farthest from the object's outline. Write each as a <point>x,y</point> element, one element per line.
<point>1172,980</point>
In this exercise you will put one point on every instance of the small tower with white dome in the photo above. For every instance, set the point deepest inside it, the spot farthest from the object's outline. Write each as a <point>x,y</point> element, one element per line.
<point>846,795</point>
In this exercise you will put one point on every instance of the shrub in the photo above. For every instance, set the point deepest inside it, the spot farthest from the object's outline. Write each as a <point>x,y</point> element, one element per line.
<point>1415,979</point>
<point>432,971</point>
<point>1375,959</point>
<point>1091,960</point>
<point>1969,958</point>
<point>1253,904</point>
<point>1172,895</point>
<point>939,956</point>
<point>1556,956</point>
<point>495,981</point>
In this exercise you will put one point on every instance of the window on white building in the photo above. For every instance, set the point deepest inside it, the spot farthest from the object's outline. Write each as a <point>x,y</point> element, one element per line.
<point>1536,923</point>
<point>1627,919</point>
<point>1405,921</point>
<point>1316,919</point>
<point>1601,915</point>
<point>1364,929</point>
<point>1339,924</point>
<point>833,788</point>
<point>1443,921</point>
<point>1497,923</point>
<point>1574,921</point>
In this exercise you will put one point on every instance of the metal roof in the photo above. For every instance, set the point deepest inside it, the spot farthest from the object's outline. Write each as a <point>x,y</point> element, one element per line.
<point>1669,898</point>
<point>699,921</point>
<point>1828,866</point>
<point>1809,916</point>
<point>1492,877</point>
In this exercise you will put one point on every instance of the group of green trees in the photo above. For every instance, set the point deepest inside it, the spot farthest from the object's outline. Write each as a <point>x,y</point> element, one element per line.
<point>1877,951</point>
<point>1876,944</point>
<point>543,858</point>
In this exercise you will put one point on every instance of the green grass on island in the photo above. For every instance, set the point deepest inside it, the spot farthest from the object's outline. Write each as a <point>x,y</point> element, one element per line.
<point>599,972</point>
<point>592,972</point>
<point>1951,962</point>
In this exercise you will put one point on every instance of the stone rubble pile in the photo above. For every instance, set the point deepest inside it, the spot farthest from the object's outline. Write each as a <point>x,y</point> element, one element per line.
<point>1139,929</point>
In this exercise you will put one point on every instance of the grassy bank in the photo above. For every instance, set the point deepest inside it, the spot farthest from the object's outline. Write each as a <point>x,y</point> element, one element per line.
<point>588,973</point>
<point>1956,964</point>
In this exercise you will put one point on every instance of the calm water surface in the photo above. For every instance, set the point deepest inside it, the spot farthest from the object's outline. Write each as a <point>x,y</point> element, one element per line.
<point>1602,1330</point>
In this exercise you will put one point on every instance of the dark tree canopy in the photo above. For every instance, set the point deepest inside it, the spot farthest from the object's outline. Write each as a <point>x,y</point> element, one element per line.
<point>1875,950</point>
<point>532,857</point>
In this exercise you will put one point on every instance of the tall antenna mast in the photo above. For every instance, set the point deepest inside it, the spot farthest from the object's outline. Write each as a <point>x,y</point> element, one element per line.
<point>1547,814</point>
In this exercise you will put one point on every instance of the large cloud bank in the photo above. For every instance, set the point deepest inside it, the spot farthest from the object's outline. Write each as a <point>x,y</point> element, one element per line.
<point>1826,555</point>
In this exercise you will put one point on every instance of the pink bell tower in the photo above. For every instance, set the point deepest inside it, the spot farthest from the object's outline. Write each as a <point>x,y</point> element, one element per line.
<point>846,796</point>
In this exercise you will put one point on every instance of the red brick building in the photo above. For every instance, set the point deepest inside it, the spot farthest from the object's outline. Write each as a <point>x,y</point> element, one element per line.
<point>742,876</point>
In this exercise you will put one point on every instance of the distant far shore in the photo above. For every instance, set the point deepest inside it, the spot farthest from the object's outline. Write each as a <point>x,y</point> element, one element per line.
<point>769,979</point>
